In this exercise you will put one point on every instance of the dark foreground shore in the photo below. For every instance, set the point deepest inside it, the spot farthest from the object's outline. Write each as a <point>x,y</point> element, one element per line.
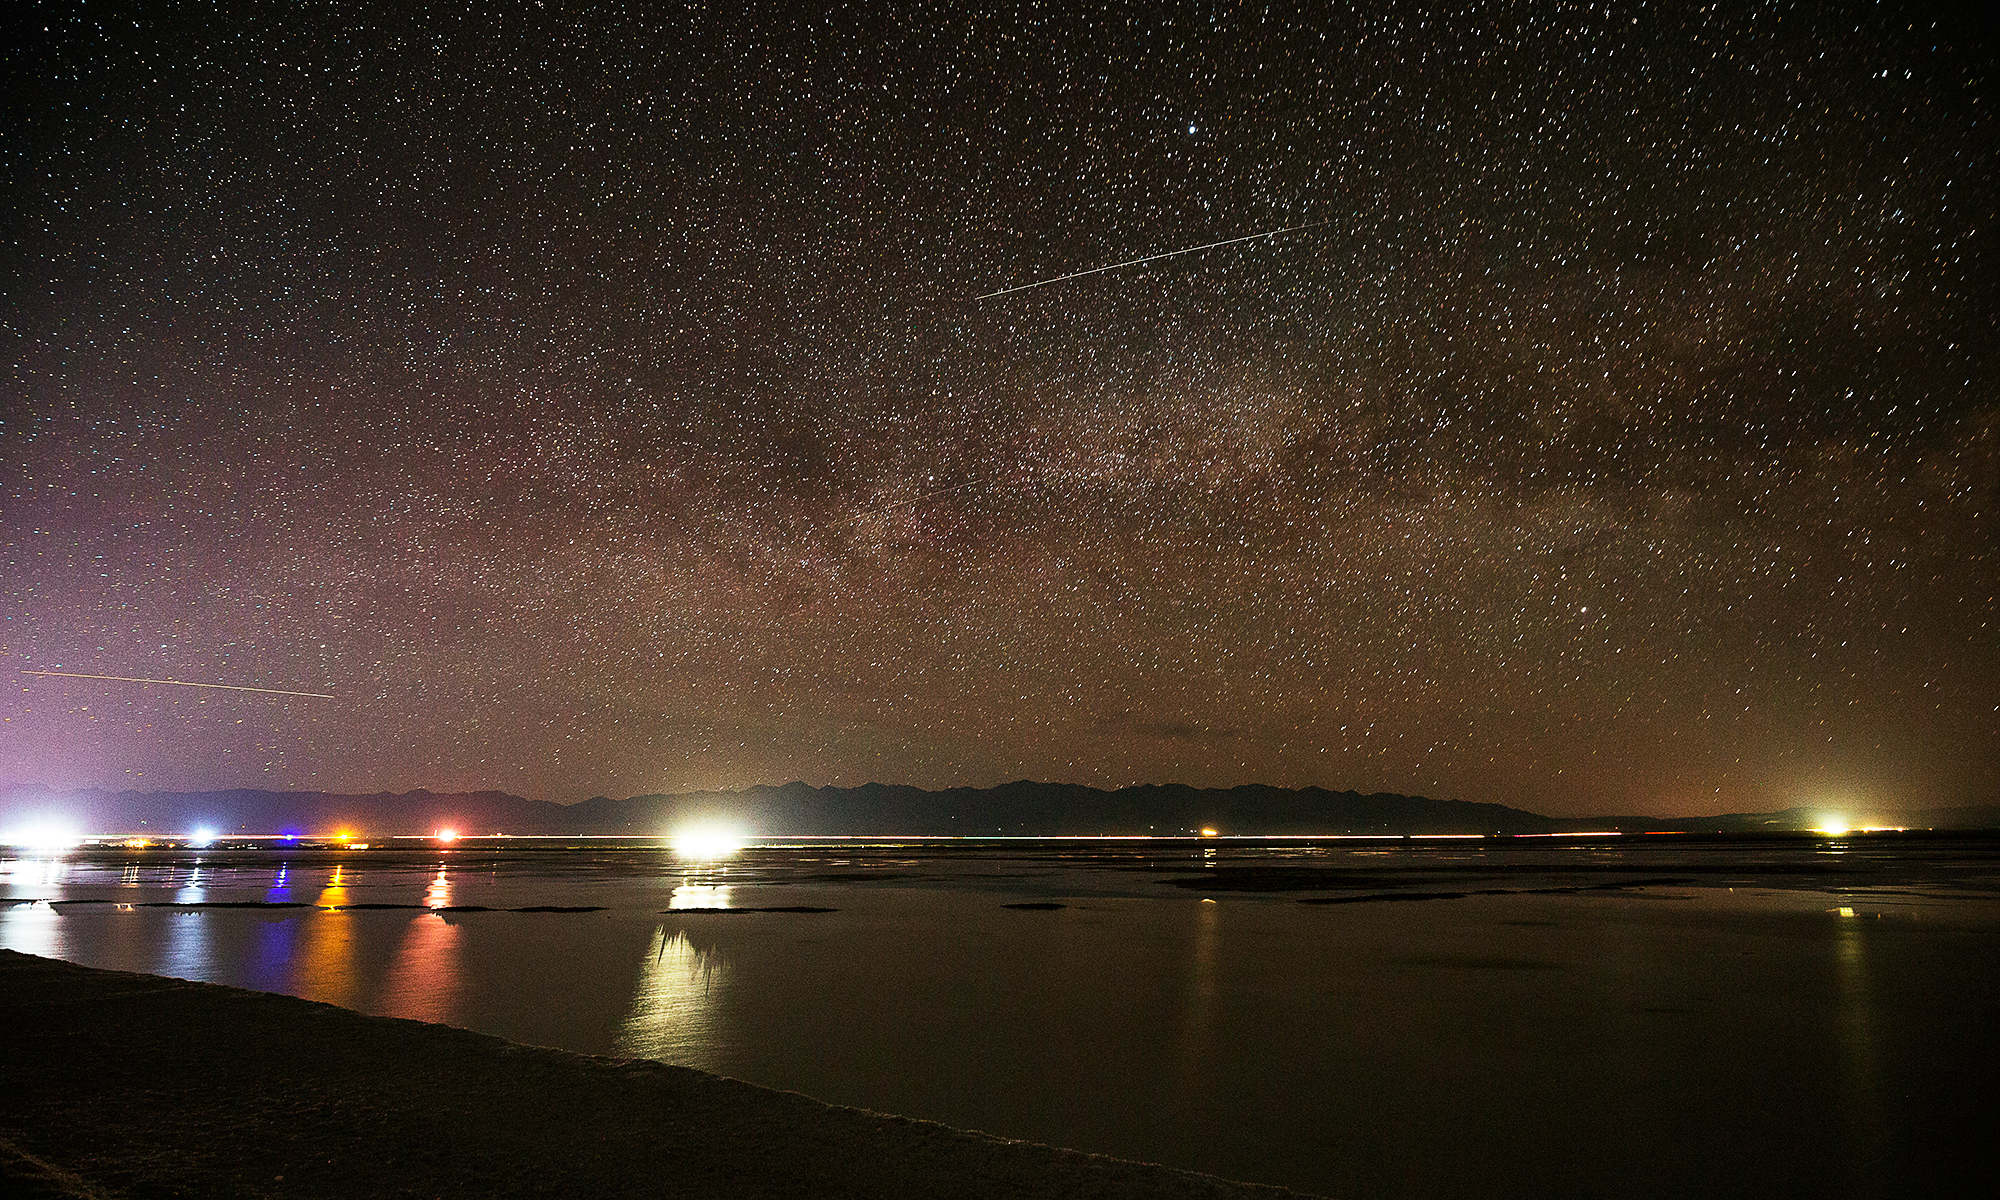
<point>114,1084</point>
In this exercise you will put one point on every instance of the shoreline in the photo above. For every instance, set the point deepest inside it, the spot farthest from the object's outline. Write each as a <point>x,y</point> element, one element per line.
<point>114,1083</point>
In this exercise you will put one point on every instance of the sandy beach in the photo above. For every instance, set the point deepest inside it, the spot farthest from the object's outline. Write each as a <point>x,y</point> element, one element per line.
<point>117,1084</point>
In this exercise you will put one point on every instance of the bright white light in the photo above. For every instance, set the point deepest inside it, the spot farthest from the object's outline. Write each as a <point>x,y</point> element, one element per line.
<point>1833,824</point>
<point>447,836</point>
<point>707,841</point>
<point>201,838</point>
<point>45,834</point>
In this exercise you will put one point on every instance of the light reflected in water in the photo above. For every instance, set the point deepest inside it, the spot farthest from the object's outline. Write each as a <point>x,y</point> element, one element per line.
<point>1865,1132</point>
<point>33,873</point>
<point>674,1011</point>
<point>1197,1047</point>
<point>423,984</point>
<point>335,892</point>
<point>31,929</point>
<point>186,955</point>
<point>700,895</point>
<point>438,895</point>
<point>192,891</point>
<point>324,967</point>
<point>269,968</point>
<point>270,965</point>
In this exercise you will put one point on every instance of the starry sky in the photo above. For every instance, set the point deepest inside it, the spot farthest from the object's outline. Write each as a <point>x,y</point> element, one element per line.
<point>600,399</point>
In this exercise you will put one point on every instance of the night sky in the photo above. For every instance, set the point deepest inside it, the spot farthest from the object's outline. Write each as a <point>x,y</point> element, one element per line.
<point>599,399</point>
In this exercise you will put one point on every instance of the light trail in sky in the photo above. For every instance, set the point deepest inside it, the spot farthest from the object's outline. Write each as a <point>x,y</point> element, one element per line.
<point>1133,262</point>
<point>227,687</point>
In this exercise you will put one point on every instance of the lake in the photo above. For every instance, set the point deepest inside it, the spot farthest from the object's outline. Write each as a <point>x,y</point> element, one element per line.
<point>1425,1018</point>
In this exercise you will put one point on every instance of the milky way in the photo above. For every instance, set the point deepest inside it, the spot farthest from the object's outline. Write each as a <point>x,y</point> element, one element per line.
<point>599,403</point>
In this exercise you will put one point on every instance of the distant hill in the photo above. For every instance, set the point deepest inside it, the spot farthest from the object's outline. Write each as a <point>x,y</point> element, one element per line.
<point>1027,808</point>
<point>1022,808</point>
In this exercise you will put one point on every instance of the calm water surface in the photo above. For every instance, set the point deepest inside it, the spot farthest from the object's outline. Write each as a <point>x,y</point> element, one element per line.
<point>1790,1017</point>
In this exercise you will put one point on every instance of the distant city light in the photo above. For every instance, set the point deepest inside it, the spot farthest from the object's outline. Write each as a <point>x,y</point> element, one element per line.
<point>201,838</point>
<point>447,835</point>
<point>707,841</point>
<point>44,834</point>
<point>1835,825</point>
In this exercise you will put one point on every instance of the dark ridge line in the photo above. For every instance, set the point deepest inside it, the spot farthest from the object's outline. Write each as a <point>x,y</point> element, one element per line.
<point>1036,905</point>
<point>774,908</point>
<point>201,903</point>
<point>1384,896</point>
<point>1549,891</point>
<point>559,908</point>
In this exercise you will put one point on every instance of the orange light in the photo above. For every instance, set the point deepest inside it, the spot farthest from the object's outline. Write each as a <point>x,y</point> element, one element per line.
<point>447,835</point>
<point>1207,832</point>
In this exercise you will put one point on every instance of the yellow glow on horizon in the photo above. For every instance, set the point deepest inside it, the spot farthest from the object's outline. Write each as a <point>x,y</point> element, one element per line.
<point>1833,825</point>
<point>707,841</point>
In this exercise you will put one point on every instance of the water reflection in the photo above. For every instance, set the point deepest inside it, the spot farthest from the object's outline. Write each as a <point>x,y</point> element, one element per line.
<point>674,1011</point>
<point>438,894</point>
<point>185,955</point>
<point>32,929</point>
<point>1197,1046</point>
<point>423,983</point>
<point>192,891</point>
<point>324,967</point>
<point>700,895</point>
<point>270,965</point>
<point>21,873</point>
<point>1865,1133</point>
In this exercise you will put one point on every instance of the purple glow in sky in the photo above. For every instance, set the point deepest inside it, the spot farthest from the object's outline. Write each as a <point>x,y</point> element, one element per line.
<point>606,404</point>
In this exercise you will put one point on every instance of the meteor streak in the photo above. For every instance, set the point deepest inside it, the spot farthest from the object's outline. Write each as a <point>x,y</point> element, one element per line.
<point>227,687</point>
<point>1133,262</point>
